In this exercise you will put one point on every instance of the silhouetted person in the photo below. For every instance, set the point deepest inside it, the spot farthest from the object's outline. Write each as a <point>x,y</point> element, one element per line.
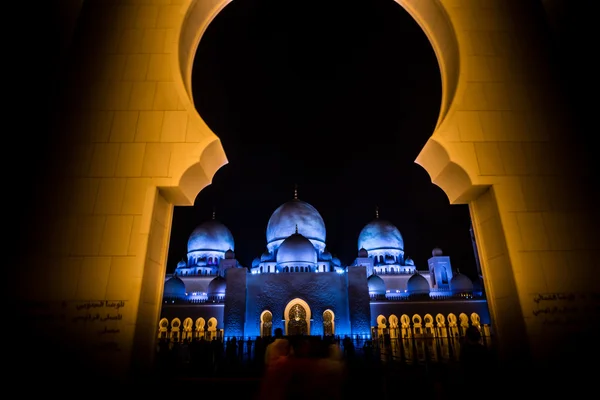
<point>310,371</point>
<point>277,350</point>
<point>348,348</point>
<point>231,350</point>
<point>475,360</point>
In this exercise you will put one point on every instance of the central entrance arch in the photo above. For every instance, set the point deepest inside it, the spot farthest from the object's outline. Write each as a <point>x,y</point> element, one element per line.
<point>297,316</point>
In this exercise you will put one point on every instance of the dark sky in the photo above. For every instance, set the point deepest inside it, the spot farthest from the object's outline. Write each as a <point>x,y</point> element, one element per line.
<point>339,102</point>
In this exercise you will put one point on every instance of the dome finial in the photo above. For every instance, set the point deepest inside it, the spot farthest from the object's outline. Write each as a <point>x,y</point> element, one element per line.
<point>296,229</point>
<point>295,191</point>
<point>376,211</point>
<point>214,214</point>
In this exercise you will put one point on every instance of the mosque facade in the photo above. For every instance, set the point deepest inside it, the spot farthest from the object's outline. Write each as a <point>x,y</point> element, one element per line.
<point>297,285</point>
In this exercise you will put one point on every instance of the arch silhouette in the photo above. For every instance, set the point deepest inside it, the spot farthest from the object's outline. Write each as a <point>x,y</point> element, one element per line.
<point>451,166</point>
<point>184,167</point>
<point>431,17</point>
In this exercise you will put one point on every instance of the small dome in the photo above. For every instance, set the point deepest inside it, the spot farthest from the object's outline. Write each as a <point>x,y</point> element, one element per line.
<point>266,256</point>
<point>326,256</point>
<point>380,234</point>
<point>409,261</point>
<point>363,253</point>
<point>181,264</point>
<point>376,285</point>
<point>174,287</point>
<point>255,262</point>
<point>217,287</point>
<point>417,284</point>
<point>461,284</point>
<point>336,261</point>
<point>296,249</point>
<point>437,252</point>
<point>229,255</point>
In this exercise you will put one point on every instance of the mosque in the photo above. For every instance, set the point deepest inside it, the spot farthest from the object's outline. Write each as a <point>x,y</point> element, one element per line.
<point>297,285</point>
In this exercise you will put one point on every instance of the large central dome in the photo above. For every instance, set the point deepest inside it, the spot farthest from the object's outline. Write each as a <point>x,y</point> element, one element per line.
<point>296,213</point>
<point>211,235</point>
<point>380,234</point>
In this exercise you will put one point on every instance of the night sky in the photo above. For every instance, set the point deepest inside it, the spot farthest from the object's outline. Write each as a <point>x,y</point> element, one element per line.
<point>340,103</point>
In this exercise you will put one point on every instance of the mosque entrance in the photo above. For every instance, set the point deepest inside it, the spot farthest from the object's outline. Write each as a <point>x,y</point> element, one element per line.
<point>297,318</point>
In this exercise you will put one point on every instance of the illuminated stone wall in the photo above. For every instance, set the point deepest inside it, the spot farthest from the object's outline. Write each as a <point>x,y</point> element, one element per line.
<point>359,301</point>
<point>235,302</point>
<point>273,292</point>
<point>130,146</point>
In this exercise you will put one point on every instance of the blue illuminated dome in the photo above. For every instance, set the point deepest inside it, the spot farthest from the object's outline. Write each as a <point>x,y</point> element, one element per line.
<point>380,234</point>
<point>211,235</point>
<point>417,284</point>
<point>294,213</point>
<point>174,288</point>
<point>461,284</point>
<point>409,261</point>
<point>296,249</point>
<point>217,287</point>
<point>376,285</point>
<point>362,253</point>
<point>181,264</point>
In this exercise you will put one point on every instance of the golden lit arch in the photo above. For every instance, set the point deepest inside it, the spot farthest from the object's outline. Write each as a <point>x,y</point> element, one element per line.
<point>394,327</point>
<point>176,323</point>
<point>266,323</point>
<point>429,14</point>
<point>328,322</point>
<point>163,328</point>
<point>212,328</point>
<point>199,328</point>
<point>475,320</point>
<point>451,166</point>
<point>307,317</point>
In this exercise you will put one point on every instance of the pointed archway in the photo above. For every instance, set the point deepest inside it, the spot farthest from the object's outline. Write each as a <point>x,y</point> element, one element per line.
<point>297,317</point>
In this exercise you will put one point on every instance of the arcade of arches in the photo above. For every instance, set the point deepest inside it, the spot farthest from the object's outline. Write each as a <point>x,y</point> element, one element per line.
<point>134,147</point>
<point>297,323</point>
